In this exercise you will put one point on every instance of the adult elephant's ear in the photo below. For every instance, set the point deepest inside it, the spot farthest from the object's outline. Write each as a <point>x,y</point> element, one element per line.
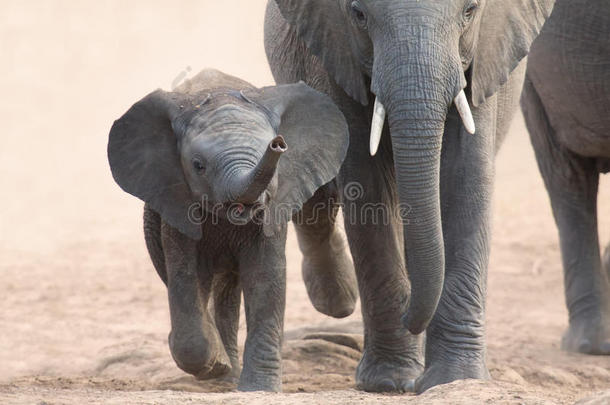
<point>507,31</point>
<point>317,139</point>
<point>144,159</point>
<point>324,28</point>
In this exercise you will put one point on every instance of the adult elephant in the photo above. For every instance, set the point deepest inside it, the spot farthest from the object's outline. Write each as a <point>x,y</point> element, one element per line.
<point>414,57</point>
<point>566,103</point>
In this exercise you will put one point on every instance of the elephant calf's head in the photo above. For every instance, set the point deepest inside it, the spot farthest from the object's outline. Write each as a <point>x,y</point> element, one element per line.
<point>221,145</point>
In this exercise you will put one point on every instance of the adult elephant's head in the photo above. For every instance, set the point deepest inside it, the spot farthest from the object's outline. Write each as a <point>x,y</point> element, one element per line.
<point>420,56</point>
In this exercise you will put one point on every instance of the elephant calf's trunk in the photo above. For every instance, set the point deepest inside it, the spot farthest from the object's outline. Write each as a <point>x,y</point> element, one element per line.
<point>247,189</point>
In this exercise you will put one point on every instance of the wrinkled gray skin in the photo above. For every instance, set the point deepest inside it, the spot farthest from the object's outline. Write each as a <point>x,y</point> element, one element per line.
<point>219,186</point>
<point>414,56</point>
<point>566,103</point>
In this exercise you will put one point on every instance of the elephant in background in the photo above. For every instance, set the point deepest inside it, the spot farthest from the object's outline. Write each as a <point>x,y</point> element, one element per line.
<point>423,62</point>
<point>566,103</point>
<point>222,166</point>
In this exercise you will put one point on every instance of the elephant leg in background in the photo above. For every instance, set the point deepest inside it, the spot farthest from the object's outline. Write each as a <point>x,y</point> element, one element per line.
<point>327,267</point>
<point>227,302</point>
<point>392,357</point>
<point>572,184</point>
<point>455,343</point>
<point>263,281</point>
<point>194,340</point>
<point>605,349</point>
<point>606,265</point>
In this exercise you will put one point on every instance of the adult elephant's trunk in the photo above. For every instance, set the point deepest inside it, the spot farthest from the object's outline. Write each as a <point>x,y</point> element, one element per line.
<point>417,81</point>
<point>247,187</point>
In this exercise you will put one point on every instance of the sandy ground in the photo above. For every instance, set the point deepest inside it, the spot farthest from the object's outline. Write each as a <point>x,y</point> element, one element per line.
<point>84,317</point>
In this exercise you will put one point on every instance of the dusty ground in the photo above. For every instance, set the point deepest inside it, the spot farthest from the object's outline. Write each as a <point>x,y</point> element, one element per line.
<point>83,315</point>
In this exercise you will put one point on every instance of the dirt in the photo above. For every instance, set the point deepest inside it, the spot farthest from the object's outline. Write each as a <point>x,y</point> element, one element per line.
<point>84,316</point>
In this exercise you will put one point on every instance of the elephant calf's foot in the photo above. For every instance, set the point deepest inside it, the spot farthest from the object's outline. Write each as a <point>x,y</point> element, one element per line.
<point>232,377</point>
<point>452,369</point>
<point>215,370</point>
<point>387,373</point>
<point>590,336</point>
<point>199,360</point>
<point>331,282</point>
<point>269,383</point>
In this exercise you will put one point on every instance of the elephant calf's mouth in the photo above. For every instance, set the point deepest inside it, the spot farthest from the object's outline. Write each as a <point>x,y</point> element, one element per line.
<point>240,213</point>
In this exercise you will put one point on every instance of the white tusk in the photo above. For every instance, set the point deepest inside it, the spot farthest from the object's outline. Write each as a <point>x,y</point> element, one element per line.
<point>377,126</point>
<point>464,109</point>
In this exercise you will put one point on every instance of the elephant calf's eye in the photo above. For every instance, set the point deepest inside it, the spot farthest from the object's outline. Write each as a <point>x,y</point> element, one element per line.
<point>358,13</point>
<point>198,166</point>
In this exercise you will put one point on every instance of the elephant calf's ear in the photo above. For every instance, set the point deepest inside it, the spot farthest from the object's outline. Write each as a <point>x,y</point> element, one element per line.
<point>144,159</point>
<point>507,31</point>
<point>317,137</point>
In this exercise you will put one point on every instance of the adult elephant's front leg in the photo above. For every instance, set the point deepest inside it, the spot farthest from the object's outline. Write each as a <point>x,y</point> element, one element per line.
<point>455,345</point>
<point>392,357</point>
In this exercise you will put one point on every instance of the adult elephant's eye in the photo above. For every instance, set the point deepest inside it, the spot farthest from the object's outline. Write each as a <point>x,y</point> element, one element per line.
<point>198,166</point>
<point>359,14</point>
<point>470,10</point>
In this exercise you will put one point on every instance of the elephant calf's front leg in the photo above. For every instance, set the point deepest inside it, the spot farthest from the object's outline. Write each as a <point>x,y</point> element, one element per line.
<point>194,340</point>
<point>263,278</point>
<point>227,302</point>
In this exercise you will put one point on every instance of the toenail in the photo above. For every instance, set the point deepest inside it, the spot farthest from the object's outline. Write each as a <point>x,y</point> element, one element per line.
<point>585,346</point>
<point>387,385</point>
<point>410,386</point>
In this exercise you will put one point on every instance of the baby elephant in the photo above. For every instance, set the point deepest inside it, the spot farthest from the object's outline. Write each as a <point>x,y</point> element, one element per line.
<point>222,166</point>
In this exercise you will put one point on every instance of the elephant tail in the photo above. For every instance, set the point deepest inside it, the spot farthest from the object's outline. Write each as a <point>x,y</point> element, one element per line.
<point>152,236</point>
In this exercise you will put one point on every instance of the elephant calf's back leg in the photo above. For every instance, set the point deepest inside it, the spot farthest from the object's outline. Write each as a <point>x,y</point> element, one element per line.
<point>152,236</point>
<point>572,184</point>
<point>327,267</point>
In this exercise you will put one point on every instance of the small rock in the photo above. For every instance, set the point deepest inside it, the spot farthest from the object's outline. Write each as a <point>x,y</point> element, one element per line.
<point>601,398</point>
<point>511,376</point>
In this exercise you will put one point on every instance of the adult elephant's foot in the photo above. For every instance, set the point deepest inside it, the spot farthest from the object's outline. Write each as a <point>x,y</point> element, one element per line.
<point>330,279</point>
<point>455,350</point>
<point>590,335</point>
<point>389,372</point>
<point>452,369</point>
